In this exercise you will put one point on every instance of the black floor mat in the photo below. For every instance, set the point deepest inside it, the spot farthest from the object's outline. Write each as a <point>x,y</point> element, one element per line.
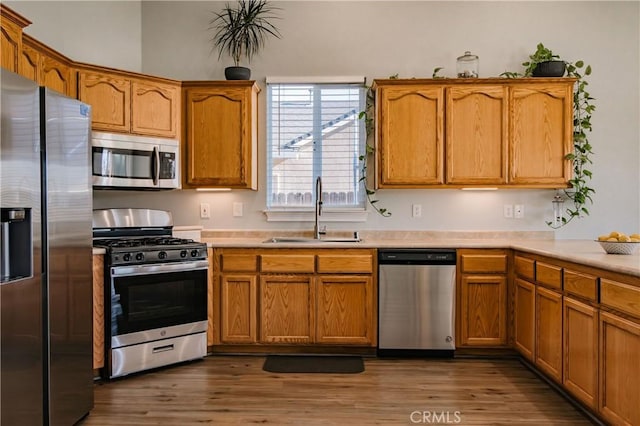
<point>313,364</point>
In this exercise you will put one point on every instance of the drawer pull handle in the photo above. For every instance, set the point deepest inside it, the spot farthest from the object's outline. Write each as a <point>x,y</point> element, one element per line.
<point>164,348</point>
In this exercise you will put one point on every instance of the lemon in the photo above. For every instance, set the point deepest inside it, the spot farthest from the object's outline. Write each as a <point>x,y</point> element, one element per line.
<point>614,234</point>
<point>603,238</point>
<point>612,240</point>
<point>634,240</point>
<point>636,236</point>
<point>623,239</point>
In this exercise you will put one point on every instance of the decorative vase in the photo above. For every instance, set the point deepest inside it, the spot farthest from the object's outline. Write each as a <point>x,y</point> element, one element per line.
<point>237,73</point>
<point>549,69</point>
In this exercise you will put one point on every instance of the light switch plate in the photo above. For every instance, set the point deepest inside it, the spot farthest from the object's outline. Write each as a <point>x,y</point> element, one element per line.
<point>518,211</point>
<point>237,209</point>
<point>508,211</point>
<point>205,211</point>
<point>416,210</point>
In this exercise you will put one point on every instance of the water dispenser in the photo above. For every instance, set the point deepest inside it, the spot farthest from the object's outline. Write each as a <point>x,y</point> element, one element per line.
<point>15,244</point>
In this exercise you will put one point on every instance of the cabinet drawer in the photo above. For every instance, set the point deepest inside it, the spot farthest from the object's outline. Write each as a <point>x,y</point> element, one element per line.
<point>623,297</point>
<point>549,275</point>
<point>344,263</point>
<point>580,284</point>
<point>484,263</point>
<point>288,263</point>
<point>525,267</point>
<point>239,262</point>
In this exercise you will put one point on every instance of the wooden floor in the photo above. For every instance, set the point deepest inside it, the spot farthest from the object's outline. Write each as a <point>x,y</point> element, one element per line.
<point>233,390</point>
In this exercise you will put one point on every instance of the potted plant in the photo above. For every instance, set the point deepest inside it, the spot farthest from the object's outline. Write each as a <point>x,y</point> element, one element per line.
<point>241,31</point>
<point>544,63</point>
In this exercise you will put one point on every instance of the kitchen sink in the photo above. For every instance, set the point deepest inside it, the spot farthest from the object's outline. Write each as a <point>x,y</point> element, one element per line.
<point>312,240</point>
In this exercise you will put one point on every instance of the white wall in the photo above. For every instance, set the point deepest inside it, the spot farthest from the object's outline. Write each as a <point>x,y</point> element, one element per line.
<point>377,39</point>
<point>96,32</point>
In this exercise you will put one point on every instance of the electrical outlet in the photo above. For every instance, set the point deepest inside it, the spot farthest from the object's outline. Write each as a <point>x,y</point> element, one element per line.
<point>237,209</point>
<point>518,211</point>
<point>508,210</point>
<point>205,211</point>
<point>416,210</point>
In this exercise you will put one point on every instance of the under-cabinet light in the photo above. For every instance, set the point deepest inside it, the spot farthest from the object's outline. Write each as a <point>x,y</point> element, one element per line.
<point>213,189</point>
<point>480,189</point>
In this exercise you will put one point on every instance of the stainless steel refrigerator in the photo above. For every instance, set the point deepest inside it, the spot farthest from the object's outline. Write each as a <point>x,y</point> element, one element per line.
<point>46,370</point>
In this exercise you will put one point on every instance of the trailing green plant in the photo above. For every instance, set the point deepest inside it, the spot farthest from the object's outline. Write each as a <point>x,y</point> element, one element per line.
<point>580,192</point>
<point>367,116</point>
<point>583,107</point>
<point>242,30</point>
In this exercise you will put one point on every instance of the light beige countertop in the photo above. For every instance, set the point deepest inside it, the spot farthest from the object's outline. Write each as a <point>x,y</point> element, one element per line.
<point>586,252</point>
<point>99,250</point>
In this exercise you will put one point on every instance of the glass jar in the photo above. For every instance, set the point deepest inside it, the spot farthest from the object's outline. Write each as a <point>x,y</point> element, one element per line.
<point>467,65</point>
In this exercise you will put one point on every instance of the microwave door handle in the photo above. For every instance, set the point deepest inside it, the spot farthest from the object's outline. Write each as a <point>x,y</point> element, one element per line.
<point>156,166</point>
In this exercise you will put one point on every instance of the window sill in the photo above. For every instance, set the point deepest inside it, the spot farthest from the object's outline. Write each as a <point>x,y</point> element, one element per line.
<point>306,215</point>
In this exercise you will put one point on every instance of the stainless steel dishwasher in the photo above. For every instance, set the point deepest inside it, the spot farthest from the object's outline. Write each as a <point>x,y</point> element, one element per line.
<point>416,302</point>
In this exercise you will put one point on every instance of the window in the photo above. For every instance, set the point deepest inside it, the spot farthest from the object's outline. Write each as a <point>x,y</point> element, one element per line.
<point>313,130</point>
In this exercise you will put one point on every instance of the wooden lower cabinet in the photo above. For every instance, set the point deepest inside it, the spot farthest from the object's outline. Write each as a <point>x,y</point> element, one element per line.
<point>239,308</point>
<point>619,370</point>
<point>344,309</point>
<point>548,332</point>
<point>288,297</point>
<point>580,345</point>
<point>98,311</point>
<point>287,304</point>
<point>524,318</point>
<point>483,310</point>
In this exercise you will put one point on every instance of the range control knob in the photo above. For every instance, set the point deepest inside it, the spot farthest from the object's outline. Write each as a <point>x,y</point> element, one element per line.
<point>194,253</point>
<point>139,256</point>
<point>162,255</point>
<point>183,253</point>
<point>126,257</point>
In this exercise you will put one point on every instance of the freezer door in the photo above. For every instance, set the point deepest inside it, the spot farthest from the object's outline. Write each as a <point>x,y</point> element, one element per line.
<point>21,326</point>
<point>69,273</point>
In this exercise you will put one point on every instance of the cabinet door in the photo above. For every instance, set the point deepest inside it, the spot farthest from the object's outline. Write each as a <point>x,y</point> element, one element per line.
<point>410,146</point>
<point>580,368</point>
<point>483,310</point>
<point>287,309</point>
<point>10,45</point>
<point>548,332</point>
<point>524,318</point>
<point>220,131</point>
<point>476,134</point>
<point>541,133</point>
<point>239,308</point>
<point>57,75</point>
<point>154,109</point>
<point>30,63</point>
<point>619,370</point>
<point>345,306</point>
<point>110,100</point>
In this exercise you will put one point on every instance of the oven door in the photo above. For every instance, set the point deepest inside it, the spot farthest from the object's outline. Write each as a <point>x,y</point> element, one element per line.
<point>158,301</point>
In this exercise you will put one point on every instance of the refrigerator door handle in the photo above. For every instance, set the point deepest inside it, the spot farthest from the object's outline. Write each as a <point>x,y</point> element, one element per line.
<point>156,166</point>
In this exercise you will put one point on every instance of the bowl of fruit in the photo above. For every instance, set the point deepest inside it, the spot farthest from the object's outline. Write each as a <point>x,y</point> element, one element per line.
<point>619,243</point>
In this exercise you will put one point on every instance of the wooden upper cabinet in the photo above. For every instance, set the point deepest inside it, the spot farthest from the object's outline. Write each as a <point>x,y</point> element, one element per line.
<point>489,132</point>
<point>110,99</point>
<point>410,148</point>
<point>11,26</point>
<point>476,134</point>
<point>30,61</point>
<point>57,75</point>
<point>130,103</point>
<point>221,134</point>
<point>155,109</point>
<point>541,130</point>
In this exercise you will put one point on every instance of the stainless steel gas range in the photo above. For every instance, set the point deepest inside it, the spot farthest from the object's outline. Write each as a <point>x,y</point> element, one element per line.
<point>155,291</point>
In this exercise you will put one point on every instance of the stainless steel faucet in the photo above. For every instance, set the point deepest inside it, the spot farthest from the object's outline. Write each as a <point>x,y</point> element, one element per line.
<point>316,227</point>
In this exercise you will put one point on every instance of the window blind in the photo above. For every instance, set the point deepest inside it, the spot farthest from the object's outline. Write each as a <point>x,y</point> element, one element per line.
<point>313,130</point>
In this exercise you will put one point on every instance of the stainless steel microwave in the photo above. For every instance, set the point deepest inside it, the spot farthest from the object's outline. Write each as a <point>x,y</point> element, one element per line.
<point>134,162</point>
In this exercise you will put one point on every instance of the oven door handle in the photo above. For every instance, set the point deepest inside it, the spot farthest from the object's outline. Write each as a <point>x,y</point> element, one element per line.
<point>158,268</point>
